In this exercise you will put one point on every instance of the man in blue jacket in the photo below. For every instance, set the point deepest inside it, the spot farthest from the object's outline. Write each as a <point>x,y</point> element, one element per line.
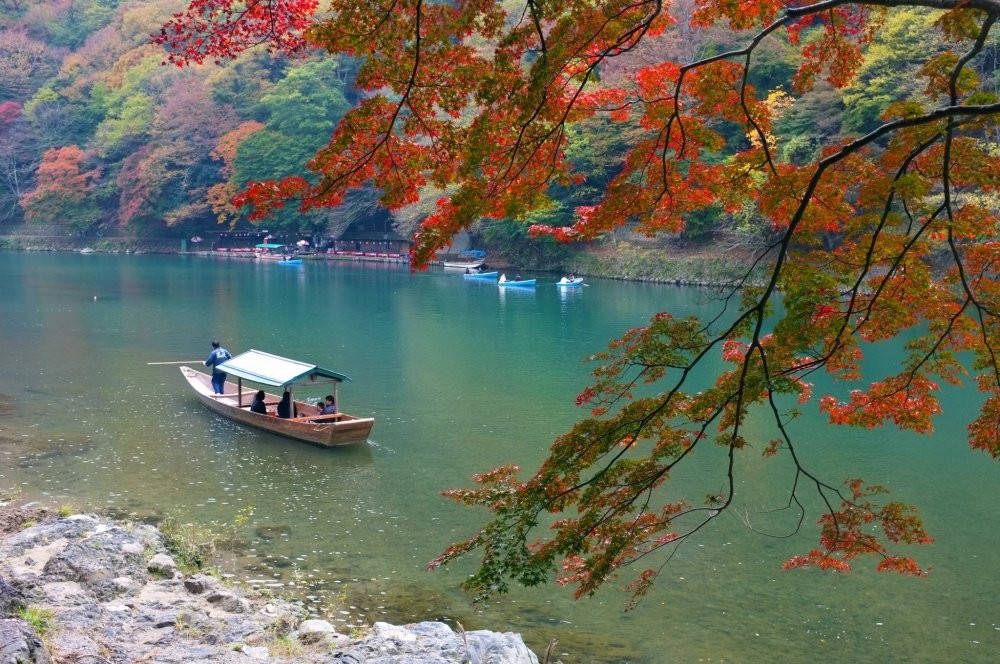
<point>215,358</point>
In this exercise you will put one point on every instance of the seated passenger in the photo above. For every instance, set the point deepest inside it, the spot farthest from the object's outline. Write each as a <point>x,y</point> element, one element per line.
<point>285,407</point>
<point>330,407</point>
<point>258,403</point>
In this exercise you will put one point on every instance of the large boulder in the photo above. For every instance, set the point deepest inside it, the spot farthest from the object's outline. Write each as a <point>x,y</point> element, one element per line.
<point>437,643</point>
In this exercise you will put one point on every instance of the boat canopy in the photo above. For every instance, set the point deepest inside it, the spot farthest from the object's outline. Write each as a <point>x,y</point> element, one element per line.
<point>268,369</point>
<point>269,245</point>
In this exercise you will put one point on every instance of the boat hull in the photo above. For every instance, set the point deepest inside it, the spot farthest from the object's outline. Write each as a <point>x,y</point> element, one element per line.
<point>348,430</point>
<point>454,265</point>
<point>524,283</point>
<point>489,276</point>
<point>572,283</point>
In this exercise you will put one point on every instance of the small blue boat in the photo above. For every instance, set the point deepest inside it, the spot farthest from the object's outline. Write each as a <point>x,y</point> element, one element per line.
<point>481,275</point>
<point>570,283</point>
<point>522,283</point>
<point>290,261</point>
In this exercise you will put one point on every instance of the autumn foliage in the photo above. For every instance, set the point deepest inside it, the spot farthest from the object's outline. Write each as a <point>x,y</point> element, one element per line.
<point>63,194</point>
<point>889,232</point>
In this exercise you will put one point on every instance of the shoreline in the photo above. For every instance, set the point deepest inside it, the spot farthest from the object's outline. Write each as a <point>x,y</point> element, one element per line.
<point>708,268</point>
<point>85,586</point>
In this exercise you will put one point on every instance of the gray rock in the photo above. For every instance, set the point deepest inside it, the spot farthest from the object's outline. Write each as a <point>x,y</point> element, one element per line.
<point>227,601</point>
<point>19,645</point>
<point>162,564</point>
<point>437,643</point>
<point>256,652</point>
<point>200,583</point>
<point>10,598</point>
<point>97,559</point>
<point>314,631</point>
<point>123,584</point>
<point>94,576</point>
<point>43,533</point>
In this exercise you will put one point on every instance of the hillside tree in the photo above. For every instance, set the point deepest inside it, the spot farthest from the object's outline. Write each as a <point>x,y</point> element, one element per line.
<point>64,193</point>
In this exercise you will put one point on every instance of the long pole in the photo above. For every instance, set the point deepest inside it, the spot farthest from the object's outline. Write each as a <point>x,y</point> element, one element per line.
<point>178,362</point>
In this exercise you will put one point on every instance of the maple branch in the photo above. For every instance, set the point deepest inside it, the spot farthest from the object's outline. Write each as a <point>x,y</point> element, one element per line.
<point>622,43</point>
<point>991,7</point>
<point>533,9</point>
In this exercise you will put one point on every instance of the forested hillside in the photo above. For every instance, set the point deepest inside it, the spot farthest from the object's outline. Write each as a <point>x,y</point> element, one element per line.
<point>96,133</point>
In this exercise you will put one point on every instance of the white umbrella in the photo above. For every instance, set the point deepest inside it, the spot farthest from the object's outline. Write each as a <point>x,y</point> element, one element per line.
<point>302,243</point>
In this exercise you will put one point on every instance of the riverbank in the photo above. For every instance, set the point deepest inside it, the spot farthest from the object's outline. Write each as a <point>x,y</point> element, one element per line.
<point>85,587</point>
<point>702,265</point>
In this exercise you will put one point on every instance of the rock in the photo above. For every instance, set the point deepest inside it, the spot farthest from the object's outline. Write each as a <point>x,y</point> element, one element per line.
<point>313,631</point>
<point>256,652</point>
<point>162,564</point>
<point>200,583</point>
<point>94,559</point>
<point>44,533</point>
<point>227,601</point>
<point>124,584</point>
<point>10,598</point>
<point>485,646</point>
<point>437,643</point>
<point>92,573</point>
<point>19,645</point>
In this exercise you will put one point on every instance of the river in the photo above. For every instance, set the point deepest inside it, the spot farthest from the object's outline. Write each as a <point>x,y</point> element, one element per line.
<point>460,377</point>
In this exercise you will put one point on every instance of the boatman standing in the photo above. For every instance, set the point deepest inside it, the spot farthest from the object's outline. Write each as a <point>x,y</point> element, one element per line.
<point>215,358</point>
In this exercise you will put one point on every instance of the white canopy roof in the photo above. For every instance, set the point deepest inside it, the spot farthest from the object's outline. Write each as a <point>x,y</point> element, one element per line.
<point>268,369</point>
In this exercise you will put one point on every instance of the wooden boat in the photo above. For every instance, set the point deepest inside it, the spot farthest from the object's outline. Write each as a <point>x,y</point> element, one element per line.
<point>520,283</point>
<point>271,370</point>
<point>570,283</point>
<point>481,275</point>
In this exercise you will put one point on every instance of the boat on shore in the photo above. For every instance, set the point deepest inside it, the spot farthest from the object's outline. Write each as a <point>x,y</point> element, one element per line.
<point>470,259</point>
<point>464,265</point>
<point>260,368</point>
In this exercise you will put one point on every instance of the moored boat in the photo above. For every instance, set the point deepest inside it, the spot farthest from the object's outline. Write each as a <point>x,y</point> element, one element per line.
<point>464,265</point>
<point>270,251</point>
<point>270,370</point>
<point>470,259</point>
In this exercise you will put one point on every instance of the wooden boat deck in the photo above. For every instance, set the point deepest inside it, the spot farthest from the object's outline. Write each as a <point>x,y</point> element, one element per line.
<point>323,430</point>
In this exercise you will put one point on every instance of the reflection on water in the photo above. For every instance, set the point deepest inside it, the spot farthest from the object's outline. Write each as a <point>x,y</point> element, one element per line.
<point>460,377</point>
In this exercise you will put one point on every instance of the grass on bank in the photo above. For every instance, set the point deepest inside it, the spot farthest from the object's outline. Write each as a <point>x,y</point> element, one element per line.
<point>39,619</point>
<point>190,545</point>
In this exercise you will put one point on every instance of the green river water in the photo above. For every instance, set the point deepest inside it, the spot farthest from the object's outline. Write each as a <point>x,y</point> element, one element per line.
<point>460,377</point>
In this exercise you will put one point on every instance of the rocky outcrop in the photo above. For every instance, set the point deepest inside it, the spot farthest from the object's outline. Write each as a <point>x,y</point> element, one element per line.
<point>110,592</point>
